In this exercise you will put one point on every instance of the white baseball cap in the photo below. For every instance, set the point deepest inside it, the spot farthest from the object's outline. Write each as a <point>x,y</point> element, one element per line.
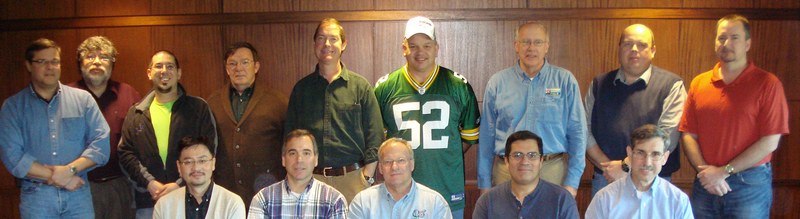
<point>420,25</point>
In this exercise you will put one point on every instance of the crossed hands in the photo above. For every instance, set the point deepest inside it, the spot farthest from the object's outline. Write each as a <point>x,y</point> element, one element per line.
<point>62,177</point>
<point>612,170</point>
<point>713,179</point>
<point>158,190</point>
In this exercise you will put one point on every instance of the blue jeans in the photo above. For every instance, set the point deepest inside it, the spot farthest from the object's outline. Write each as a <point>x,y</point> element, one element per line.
<point>750,196</point>
<point>39,200</point>
<point>458,214</point>
<point>599,182</point>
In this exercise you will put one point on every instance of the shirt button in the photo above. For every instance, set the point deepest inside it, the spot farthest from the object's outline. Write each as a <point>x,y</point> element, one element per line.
<point>240,182</point>
<point>267,170</point>
<point>238,165</point>
<point>237,129</point>
<point>51,120</point>
<point>53,136</point>
<point>237,147</point>
<point>55,153</point>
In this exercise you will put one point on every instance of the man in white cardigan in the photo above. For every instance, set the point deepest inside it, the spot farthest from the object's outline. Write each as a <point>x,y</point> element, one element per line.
<point>198,199</point>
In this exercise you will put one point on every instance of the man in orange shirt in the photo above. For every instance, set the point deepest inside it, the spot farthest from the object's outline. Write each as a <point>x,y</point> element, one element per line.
<point>733,120</point>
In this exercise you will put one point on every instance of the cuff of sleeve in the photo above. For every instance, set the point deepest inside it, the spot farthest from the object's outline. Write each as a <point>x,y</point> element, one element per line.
<point>590,142</point>
<point>23,166</point>
<point>484,182</point>
<point>574,183</point>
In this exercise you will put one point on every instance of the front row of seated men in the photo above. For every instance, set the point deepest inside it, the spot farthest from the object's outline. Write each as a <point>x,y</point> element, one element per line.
<point>640,194</point>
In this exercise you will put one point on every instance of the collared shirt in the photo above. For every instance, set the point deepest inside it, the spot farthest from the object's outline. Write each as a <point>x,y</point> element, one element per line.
<point>55,133</point>
<point>620,199</point>
<point>114,103</point>
<point>548,200</point>
<point>239,101</point>
<point>549,104</point>
<point>198,210</point>
<point>420,202</point>
<point>343,116</point>
<point>318,200</point>
<point>670,116</point>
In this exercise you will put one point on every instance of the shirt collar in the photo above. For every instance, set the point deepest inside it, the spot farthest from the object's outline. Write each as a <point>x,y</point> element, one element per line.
<point>715,72</point>
<point>632,187</point>
<point>522,76</point>
<point>206,195</point>
<point>345,75</point>
<point>33,92</point>
<point>645,76</point>
<point>247,91</point>
<point>289,190</point>
<point>112,87</point>
<point>388,195</point>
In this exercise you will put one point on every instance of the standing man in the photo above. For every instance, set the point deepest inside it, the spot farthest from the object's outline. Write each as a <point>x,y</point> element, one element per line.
<point>201,197</point>
<point>642,194</point>
<point>339,108</point>
<point>50,136</point>
<point>111,191</point>
<point>619,101</point>
<point>540,98</point>
<point>399,196</point>
<point>153,128</point>
<point>299,195</point>
<point>525,195</point>
<point>434,109</point>
<point>734,117</point>
<point>250,119</point>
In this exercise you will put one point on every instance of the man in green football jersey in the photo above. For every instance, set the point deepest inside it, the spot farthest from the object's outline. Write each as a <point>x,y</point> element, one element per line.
<point>434,109</point>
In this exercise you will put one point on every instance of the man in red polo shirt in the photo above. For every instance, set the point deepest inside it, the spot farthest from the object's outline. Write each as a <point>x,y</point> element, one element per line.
<point>733,120</point>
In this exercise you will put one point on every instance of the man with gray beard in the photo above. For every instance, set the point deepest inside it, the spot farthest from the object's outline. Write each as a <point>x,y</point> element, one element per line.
<point>111,193</point>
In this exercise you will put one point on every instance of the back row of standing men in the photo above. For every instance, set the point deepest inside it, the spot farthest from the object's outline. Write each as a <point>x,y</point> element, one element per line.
<point>736,113</point>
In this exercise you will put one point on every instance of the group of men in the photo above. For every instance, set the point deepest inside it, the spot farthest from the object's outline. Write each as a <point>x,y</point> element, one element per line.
<point>534,133</point>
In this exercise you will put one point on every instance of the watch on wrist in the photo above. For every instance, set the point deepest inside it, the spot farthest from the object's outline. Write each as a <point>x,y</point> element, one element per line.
<point>625,166</point>
<point>370,180</point>
<point>72,169</point>
<point>729,169</point>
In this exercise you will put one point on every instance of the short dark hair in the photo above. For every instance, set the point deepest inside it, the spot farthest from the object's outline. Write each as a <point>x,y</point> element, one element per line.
<point>733,18</point>
<point>236,46</point>
<point>299,133</point>
<point>521,136</point>
<point>38,45</point>
<point>190,141</point>
<point>177,65</point>
<point>330,21</point>
<point>647,132</point>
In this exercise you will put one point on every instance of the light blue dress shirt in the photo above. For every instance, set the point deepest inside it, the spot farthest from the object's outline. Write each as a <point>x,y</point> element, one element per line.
<point>549,104</point>
<point>420,202</point>
<point>620,200</point>
<point>55,133</point>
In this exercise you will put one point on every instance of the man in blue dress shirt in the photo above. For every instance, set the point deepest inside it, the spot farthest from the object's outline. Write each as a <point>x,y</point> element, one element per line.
<point>642,194</point>
<point>537,97</point>
<point>50,136</point>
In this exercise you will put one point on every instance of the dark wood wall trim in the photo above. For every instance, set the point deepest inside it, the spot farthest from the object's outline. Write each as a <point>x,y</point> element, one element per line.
<point>684,184</point>
<point>394,15</point>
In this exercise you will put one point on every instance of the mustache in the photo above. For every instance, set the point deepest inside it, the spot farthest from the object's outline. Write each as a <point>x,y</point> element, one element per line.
<point>648,168</point>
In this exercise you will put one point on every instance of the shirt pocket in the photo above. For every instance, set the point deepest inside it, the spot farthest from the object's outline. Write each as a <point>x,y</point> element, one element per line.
<point>349,114</point>
<point>553,109</point>
<point>73,129</point>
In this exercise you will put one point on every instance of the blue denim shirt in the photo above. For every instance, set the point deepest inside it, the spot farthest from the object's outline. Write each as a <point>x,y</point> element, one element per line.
<point>549,104</point>
<point>55,133</point>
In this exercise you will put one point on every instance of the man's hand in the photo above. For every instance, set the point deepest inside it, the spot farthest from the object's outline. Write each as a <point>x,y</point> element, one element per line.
<point>61,176</point>
<point>75,183</point>
<point>713,179</point>
<point>153,187</point>
<point>612,170</point>
<point>571,190</point>
<point>166,189</point>
<point>483,191</point>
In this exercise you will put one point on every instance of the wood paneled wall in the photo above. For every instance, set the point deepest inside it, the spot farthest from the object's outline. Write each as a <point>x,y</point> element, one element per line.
<point>475,37</point>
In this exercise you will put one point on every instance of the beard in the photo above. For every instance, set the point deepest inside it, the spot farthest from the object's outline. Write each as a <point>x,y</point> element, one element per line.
<point>96,79</point>
<point>164,90</point>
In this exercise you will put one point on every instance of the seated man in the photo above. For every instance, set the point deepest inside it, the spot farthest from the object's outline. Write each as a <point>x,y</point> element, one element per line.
<point>399,196</point>
<point>525,195</point>
<point>642,193</point>
<point>198,199</point>
<point>299,195</point>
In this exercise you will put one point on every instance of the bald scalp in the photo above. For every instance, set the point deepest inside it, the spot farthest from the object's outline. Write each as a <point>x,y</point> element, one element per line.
<point>638,28</point>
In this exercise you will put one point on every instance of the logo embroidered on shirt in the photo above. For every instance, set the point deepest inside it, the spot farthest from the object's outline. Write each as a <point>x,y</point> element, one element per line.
<point>552,91</point>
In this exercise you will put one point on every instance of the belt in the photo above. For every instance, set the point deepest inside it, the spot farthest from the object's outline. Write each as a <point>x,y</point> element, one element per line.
<point>545,157</point>
<point>106,179</point>
<point>330,171</point>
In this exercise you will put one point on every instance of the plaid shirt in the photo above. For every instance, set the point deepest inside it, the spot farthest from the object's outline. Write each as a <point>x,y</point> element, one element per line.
<point>318,200</point>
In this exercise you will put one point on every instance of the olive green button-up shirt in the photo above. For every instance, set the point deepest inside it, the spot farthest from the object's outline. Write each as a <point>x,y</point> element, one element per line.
<point>343,116</point>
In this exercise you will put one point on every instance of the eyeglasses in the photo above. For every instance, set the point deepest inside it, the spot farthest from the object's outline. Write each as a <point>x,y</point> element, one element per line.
<point>200,162</point>
<point>536,43</point>
<point>628,45</point>
<point>54,62</point>
<point>168,67</point>
<point>233,64</point>
<point>401,161</point>
<point>102,58</point>
<point>517,156</point>
<point>641,155</point>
